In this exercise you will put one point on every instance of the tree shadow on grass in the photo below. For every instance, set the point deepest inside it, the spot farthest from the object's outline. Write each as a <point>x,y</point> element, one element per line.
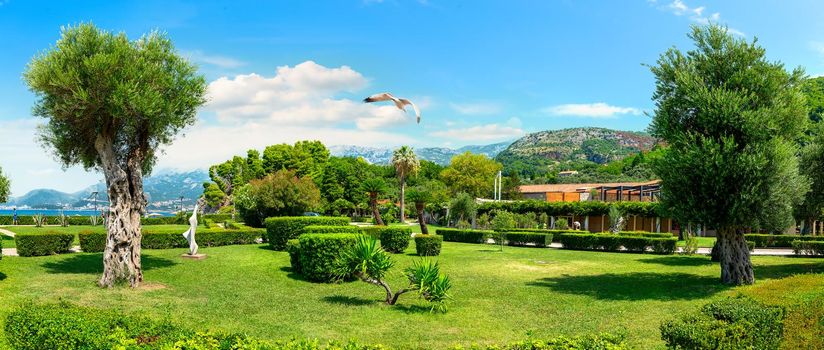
<point>2,276</point>
<point>679,260</point>
<point>292,274</point>
<point>93,264</point>
<point>635,286</point>
<point>411,309</point>
<point>347,300</point>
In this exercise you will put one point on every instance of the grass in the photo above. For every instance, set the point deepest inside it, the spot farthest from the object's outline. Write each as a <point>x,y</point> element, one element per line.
<point>8,241</point>
<point>74,230</point>
<point>703,242</point>
<point>498,296</point>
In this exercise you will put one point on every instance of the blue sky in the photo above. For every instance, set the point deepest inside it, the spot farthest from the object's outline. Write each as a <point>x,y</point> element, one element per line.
<point>481,71</point>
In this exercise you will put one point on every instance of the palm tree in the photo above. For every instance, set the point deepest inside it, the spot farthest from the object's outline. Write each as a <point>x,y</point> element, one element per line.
<point>374,186</point>
<point>420,196</point>
<point>406,163</point>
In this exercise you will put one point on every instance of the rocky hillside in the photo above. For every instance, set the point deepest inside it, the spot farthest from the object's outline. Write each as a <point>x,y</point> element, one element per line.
<point>439,155</point>
<point>598,145</point>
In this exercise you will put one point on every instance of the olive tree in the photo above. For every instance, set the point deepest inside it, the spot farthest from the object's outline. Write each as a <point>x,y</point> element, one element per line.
<point>730,117</point>
<point>109,103</point>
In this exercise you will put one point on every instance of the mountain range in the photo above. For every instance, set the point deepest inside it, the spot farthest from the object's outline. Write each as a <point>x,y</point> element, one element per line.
<point>534,150</point>
<point>439,155</point>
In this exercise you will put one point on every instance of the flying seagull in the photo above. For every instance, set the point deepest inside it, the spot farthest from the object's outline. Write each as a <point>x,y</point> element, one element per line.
<point>399,102</point>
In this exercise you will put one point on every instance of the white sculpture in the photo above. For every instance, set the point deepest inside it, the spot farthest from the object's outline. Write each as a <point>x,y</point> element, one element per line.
<point>190,233</point>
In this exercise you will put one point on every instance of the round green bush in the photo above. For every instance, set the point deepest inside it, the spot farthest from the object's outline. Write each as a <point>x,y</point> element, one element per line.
<point>395,239</point>
<point>428,245</point>
<point>281,229</point>
<point>323,255</point>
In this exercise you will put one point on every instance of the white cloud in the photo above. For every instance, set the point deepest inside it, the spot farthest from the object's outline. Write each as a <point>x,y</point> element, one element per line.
<point>478,108</point>
<point>695,14</point>
<point>487,132</point>
<point>306,94</point>
<point>591,110</point>
<point>214,60</point>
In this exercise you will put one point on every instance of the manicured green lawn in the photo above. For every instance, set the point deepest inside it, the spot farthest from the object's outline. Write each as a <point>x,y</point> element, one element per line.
<point>498,297</point>
<point>8,241</point>
<point>703,242</point>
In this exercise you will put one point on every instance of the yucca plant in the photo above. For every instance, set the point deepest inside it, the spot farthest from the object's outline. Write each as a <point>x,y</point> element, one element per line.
<point>370,263</point>
<point>39,220</point>
<point>94,220</point>
<point>63,220</point>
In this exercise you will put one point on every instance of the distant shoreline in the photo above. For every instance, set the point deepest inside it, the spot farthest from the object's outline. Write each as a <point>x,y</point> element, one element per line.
<point>67,212</point>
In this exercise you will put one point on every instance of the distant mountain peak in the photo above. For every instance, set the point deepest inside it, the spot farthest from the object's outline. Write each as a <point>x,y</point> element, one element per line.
<point>599,145</point>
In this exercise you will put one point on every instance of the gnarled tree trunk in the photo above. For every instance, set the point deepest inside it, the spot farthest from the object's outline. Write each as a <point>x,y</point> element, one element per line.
<point>373,204</point>
<point>124,182</point>
<point>734,255</point>
<point>421,219</point>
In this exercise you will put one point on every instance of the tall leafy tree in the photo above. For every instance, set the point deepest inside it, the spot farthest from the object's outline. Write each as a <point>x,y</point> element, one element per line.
<point>473,174</point>
<point>420,196</point>
<point>4,187</point>
<point>109,103</point>
<point>406,163</point>
<point>730,118</point>
<point>280,194</point>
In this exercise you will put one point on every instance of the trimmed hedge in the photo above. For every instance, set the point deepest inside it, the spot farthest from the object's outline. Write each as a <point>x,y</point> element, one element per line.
<point>732,323</point>
<point>46,243</point>
<point>166,239</point>
<point>464,236</point>
<point>645,209</point>
<point>322,255</point>
<point>281,229</point>
<point>428,245</point>
<point>293,247</point>
<point>395,239</point>
<point>91,241</point>
<point>609,242</point>
<point>813,248</point>
<point>65,326</point>
<point>782,241</point>
<point>525,238</point>
<point>332,229</point>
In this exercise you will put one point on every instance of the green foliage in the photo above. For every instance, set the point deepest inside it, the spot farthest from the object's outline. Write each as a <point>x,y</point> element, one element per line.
<point>97,85</point>
<point>281,229</point>
<point>525,238</point>
<point>812,166</point>
<point>561,224</point>
<point>395,239</point>
<point>428,245</point>
<point>503,221</point>
<point>333,229</point>
<point>464,236</point>
<point>463,207</point>
<point>778,241</point>
<point>731,323</point>
<point>367,259</point>
<point>611,242</point>
<point>730,118</point>
<point>690,244</point>
<point>323,256</point>
<point>306,158</point>
<point>426,278</point>
<point>92,242</point>
<point>280,194</point>
<point>601,341</point>
<point>472,174</point>
<point>213,195</point>
<point>293,248</point>
<point>4,187</point>
<point>814,248</point>
<point>45,243</point>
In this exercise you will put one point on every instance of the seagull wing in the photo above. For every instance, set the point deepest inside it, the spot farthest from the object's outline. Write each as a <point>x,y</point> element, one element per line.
<point>417,111</point>
<point>384,96</point>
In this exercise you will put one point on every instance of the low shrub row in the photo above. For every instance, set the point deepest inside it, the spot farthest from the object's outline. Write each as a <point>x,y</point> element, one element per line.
<point>610,242</point>
<point>45,243</point>
<point>281,229</point>
<point>91,241</point>
<point>464,236</point>
<point>814,248</point>
<point>428,245</point>
<point>65,326</point>
<point>732,323</point>
<point>322,256</point>
<point>528,238</point>
<point>782,241</point>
